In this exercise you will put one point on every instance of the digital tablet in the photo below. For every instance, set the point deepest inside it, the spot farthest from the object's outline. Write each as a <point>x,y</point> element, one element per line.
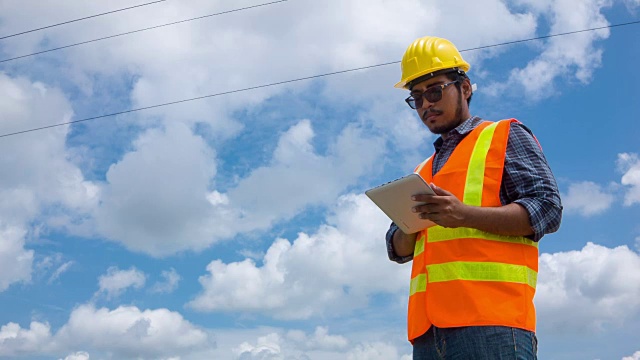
<point>394,199</point>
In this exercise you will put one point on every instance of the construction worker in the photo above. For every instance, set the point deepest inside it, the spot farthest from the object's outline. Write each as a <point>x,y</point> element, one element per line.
<point>474,273</point>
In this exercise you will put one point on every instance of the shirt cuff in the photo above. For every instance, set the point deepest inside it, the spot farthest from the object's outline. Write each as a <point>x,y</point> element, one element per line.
<point>391,252</point>
<point>544,216</point>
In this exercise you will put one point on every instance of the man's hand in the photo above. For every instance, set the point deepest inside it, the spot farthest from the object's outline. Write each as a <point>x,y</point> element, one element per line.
<point>444,208</point>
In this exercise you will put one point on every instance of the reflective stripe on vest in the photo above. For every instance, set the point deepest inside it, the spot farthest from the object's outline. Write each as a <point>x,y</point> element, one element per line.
<point>464,276</point>
<point>482,271</point>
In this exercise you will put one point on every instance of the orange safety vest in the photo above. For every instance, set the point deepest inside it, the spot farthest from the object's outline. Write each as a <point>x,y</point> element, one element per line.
<point>464,276</point>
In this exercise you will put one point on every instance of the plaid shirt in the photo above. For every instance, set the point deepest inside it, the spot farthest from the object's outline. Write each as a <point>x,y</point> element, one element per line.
<point>527,179</point>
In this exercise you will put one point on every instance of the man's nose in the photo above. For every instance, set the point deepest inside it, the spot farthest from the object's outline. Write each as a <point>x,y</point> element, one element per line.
<point>425,104</point>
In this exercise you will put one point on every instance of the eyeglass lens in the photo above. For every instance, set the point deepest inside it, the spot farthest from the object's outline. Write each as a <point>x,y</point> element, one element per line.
<point>432,95</point>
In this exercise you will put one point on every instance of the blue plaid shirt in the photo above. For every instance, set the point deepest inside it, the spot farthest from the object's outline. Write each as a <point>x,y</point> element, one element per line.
<point>526,180</point>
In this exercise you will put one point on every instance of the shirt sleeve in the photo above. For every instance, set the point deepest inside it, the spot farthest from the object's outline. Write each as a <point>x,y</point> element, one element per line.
<point>391,251</point>
<point>527,180</point>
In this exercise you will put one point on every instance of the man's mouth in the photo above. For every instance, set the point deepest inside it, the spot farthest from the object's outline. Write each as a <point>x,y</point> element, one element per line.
<point>430,115</point>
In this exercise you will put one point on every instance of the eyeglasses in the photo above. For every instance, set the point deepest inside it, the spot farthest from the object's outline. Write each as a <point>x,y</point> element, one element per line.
<point>432,95</point>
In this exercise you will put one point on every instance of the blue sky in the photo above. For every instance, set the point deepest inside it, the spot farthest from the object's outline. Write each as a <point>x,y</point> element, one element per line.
<point>235,227</point>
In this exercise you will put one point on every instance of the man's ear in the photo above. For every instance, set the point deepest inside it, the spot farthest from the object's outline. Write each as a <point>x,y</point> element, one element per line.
<point>466,88</point>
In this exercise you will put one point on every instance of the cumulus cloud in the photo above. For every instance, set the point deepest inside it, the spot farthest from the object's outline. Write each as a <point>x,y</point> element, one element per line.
<point>319,340</point>
<point>572,284</point>
<point>169,284</point>
<point>16,341</point>
<point>40,175</point>
<point>267,347</point>
<point>587,199</point>
<point>298,176</point>
<point>131,332</point>
<point>157,198</point>
<point>15,260</point>
<point>325,273</point>
<point>80,355</point>
<point>375,351</point>
<point>574,56</point>
<point>298,345</point>
<point>124,333</point>
<point>116,281</point>
<point>635,356</point>
<point>629,164</point>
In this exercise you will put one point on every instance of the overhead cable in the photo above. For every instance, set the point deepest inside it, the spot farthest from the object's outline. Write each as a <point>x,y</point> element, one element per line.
<point>80,19</point>
<point>141,30</point>
<point>300,79</point>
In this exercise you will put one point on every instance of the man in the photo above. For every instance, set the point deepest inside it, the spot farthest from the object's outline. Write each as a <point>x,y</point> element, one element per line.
<point>474,273</point>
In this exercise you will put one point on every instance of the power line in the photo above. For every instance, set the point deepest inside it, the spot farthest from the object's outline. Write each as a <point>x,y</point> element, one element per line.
<point>141,30</point>
<point>301,79</point>
<point>80,19</point>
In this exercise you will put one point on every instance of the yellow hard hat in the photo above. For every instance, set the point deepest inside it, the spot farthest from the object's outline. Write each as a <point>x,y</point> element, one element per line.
<point>428,55</point>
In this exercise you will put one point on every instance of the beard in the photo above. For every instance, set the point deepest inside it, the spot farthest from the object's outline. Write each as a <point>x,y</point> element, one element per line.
<point>446,128</point>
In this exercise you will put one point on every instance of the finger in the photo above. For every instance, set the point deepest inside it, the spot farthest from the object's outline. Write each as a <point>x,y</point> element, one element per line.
<point>430,216</point>
<point>425,198</point>
<point>440,191</point>
<point>425,208</point>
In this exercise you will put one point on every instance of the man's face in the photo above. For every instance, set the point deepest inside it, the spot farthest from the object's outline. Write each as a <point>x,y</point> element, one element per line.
<point>446,114</point>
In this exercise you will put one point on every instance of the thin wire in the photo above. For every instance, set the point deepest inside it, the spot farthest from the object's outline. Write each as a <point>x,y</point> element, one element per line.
<point>296,80</point>
<point>198,98</point>
<point>80,19</point>
<point>141,30</point>
<point>554,35</point>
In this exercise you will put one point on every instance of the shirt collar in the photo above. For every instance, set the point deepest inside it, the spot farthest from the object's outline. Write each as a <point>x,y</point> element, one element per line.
<point>464,128</point>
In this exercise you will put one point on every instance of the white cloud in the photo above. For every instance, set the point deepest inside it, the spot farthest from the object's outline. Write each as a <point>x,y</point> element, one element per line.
<point>15,261</point>
<point>375,351</point>
<point>632,5</point>
<point>587,199</point>
<point>59,271</point>
<point>629,164</point>
<point>573,284</point>
<point>297,345</point>
<point>40,175</point>
<point>338,267</point>
<point>320,340</point>
<point>130,332</point>
<point>116,281</point>
<point>267,347</point>
<point>635,356</point>
<point>123,333</point>
<point>80,355</point>
<point>155,197</point>
<point>169,284</point>
<point>573,56</point>
<point>195,63</point>
<point>299,177</point>
<point>15,341</point>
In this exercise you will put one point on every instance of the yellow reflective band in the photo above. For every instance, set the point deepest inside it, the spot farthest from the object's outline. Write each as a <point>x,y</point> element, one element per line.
<point>482,271</point>
<point>418,284</point>
<point>475,172</point>
<point>419,168</point>
<point>419,248</point>
<point>439,233</point>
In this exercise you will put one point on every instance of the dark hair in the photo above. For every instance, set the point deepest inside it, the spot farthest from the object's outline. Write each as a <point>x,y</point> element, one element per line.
<point>459,76</point>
